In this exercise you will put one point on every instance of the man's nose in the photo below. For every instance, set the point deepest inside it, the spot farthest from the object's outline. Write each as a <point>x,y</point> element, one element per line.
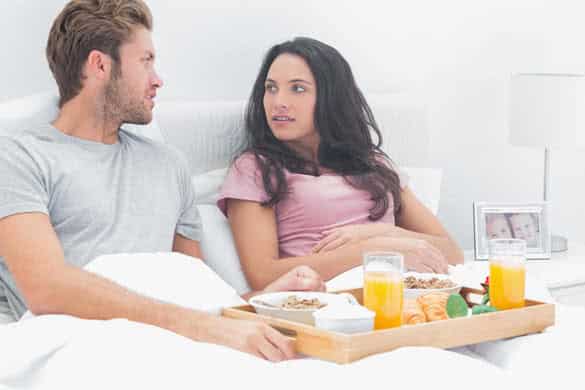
<point>157,80</point>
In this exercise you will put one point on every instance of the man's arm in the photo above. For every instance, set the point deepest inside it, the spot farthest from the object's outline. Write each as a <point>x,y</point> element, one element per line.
<point>187,246</point>
<point>34,257</point>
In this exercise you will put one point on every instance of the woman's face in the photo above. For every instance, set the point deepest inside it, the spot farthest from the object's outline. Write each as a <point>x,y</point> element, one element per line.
<point>290,93</point>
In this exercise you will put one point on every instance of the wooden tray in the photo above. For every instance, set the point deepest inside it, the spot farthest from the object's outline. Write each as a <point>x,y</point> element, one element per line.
<point>345,348</point>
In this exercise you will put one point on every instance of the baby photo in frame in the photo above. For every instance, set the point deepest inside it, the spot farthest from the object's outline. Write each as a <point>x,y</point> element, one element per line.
<point>527,221</point>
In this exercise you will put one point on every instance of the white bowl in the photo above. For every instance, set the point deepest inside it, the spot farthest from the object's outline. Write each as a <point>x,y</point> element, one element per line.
<point>413,293</point>
<point>347,318</point>
<point>269,304</point>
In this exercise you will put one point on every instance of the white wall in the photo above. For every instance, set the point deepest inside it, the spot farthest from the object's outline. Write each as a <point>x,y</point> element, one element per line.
<point>455,55</point>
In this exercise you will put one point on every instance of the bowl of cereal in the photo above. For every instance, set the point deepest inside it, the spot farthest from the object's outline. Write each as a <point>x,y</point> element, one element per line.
<point>416,284</point>
<point>297,306</point>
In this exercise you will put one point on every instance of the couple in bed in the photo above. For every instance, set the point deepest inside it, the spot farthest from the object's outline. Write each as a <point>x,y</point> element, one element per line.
<point>310,193</point>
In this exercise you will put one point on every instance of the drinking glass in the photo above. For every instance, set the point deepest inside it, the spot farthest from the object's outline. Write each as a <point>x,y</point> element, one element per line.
<point>507,259</point>
<point>383,287</point>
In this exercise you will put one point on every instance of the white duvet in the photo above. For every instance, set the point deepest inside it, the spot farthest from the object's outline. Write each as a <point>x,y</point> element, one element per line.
<point>62,352</point>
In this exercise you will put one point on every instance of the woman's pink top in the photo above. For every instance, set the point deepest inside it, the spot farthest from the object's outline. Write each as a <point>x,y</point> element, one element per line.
<point>314,204</point>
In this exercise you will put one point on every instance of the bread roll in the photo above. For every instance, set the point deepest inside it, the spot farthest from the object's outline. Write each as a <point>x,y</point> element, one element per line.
<point>434,305</point>
<point>412,313</point>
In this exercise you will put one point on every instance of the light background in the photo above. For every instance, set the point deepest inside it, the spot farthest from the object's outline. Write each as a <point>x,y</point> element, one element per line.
<point>456,56</point>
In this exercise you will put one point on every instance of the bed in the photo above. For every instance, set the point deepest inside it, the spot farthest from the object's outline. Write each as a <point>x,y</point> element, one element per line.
<point>58,352</point>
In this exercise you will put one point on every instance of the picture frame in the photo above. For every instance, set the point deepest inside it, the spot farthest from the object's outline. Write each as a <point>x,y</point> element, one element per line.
<point>527,221</point>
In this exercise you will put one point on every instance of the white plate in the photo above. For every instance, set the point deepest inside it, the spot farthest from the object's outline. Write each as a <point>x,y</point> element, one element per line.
<point>297,315</point>
<point>413,293</point>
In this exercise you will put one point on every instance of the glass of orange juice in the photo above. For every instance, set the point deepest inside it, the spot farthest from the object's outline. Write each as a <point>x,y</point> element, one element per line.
<point>507,259</point>
<point>383,287</point>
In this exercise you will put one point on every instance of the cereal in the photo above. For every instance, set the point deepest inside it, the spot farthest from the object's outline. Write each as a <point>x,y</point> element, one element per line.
<point>411,282</point>
<point>293,302</point>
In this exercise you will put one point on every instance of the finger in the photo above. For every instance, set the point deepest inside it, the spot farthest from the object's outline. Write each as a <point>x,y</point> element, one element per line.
<point>283,344</point>
<point>305,271</point>
<point>309,283</point>
<point>330,231</point>
<point>269,351</point>
<point>422,267</point>
<point>334,244</point>
<point>437,263</point>
<point>325,241</point>
<point>438,266</point>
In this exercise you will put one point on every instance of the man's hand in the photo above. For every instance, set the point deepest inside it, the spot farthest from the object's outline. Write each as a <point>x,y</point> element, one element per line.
<point>258,339</point>
<point>301,278</point>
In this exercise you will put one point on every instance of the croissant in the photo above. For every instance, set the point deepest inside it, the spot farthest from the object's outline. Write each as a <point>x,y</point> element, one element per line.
<point>434,305</point>
<point>412,313</point>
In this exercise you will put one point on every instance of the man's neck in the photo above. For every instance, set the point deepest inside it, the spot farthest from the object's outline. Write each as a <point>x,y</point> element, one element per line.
<point>81,117</point>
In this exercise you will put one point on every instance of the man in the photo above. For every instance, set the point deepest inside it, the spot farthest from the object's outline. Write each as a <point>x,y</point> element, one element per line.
<point>81,187</point>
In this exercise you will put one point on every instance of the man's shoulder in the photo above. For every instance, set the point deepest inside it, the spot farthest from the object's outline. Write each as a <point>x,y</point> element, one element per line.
<point>22,141</point>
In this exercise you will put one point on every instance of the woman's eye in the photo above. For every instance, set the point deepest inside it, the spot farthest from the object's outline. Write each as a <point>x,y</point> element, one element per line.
<point>270,88</point>
<point>298,88</point>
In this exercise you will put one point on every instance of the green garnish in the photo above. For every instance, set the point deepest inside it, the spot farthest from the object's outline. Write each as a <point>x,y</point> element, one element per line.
<point>480,309</point>
<point>456,306</point>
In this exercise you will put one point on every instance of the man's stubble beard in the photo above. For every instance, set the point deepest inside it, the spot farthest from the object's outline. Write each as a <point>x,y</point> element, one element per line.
<point>120,105</point>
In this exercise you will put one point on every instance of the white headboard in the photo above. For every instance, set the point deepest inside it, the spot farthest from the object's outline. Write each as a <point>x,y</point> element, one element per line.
<point>209,132</point>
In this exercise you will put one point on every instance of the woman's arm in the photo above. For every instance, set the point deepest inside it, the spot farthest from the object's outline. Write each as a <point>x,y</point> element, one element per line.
<point>255,234</point>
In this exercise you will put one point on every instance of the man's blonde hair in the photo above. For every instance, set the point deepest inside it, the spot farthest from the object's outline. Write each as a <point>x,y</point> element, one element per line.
<point>86,25</point>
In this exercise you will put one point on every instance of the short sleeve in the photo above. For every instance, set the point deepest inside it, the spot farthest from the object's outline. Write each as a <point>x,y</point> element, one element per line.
<point>23,186</point>
<point>189,222</point>
<point>243,181</point>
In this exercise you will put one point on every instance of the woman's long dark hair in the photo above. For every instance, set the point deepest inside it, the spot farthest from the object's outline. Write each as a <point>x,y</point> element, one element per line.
<point>342,118</point>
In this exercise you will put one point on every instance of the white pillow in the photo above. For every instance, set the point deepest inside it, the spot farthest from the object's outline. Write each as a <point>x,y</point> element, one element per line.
<point>426,185</point>
<point>218,248</point>
<point>170,277</point>
<point>207,186</point>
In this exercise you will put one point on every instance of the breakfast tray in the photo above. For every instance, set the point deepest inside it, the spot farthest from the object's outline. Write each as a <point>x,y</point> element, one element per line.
<point>456,332</point>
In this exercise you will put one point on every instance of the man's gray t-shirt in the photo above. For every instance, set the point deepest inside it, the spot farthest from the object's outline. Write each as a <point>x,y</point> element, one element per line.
<point>128,197</point>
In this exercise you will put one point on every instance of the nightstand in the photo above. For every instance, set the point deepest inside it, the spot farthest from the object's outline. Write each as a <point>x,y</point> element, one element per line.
<point>563,274</point>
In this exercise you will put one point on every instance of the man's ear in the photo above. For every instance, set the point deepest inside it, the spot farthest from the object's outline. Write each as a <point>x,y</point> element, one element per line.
<point>98,65</point>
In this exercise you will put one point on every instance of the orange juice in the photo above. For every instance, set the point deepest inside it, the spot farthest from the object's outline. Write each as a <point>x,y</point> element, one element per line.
<point>383,295</point>
<point>507,285</point>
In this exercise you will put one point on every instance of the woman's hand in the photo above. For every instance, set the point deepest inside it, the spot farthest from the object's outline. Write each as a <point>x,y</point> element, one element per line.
<point>301,278</point>
<point>337,237</point>
<point>419,255</point>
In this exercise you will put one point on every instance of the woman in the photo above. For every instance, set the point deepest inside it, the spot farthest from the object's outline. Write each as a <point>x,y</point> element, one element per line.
<point>312,187</point>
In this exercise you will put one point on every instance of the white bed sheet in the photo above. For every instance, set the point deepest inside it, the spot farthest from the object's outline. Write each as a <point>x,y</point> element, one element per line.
<point>62,352</point>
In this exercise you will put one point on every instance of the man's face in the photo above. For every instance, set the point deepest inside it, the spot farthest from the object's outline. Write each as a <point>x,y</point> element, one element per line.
<point>132,87</point>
